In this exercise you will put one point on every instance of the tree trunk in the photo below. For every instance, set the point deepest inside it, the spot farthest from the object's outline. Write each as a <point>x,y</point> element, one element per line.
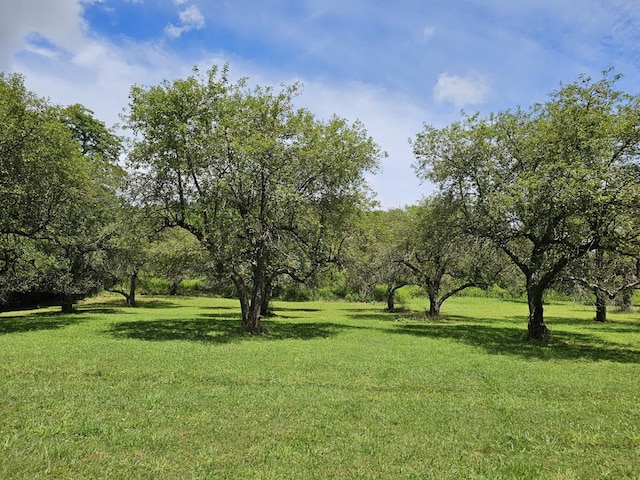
<point>243,296</point>
<point>252,309</point>
<point>255,313</point>
<point>538,331</point>
<point>173,290</point>
<point>601,305</point>
<point>626,303</point>
<point>391,299</point>
<point>266,298</point>
<point>131,298</point>
<point>434,301</point>
<point>67,304</point>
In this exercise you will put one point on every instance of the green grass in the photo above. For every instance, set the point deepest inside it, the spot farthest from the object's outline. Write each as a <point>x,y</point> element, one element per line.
<point>174,390</point>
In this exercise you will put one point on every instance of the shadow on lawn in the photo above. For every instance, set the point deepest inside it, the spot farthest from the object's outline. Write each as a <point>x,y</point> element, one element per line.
<point>29,322</point>
<point>512,341</point>
<point>38,321</point>
<point>220,328</point>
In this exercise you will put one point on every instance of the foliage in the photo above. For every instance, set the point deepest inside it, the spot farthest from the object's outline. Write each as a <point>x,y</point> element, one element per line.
<point>605,275</point>
<point>546,185</point>
<point>57,193</point>
<point>444,258</point>
<point>376,255</point>
<point>176,255</point>
<point>267,189</point>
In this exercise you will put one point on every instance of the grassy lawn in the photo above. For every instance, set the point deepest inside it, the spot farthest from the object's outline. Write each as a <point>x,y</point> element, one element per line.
<point>173,390</point>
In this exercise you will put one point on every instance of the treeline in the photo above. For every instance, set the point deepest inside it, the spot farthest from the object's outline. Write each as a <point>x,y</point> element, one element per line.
<point>235,189</point>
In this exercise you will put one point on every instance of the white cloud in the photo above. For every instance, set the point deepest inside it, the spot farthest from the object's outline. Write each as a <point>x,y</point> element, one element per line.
<point>390,119</point>
<point>99,74</point>
<point>461,91</point>
<point>190,19</point>
<point>57,21</point>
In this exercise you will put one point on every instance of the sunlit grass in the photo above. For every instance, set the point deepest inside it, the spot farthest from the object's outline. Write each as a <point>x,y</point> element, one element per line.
<point>174,389</point>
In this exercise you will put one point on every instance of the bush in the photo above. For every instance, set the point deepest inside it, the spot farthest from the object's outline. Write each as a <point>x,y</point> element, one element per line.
<point>193,286</point>
<point>379,293</point>
<point>153,286</point>
<point>293,293</point>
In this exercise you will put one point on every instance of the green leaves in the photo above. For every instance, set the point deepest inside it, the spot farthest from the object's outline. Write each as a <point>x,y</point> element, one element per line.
<point>265,186</point>
<point>546,185</point>
<point>58,186</point>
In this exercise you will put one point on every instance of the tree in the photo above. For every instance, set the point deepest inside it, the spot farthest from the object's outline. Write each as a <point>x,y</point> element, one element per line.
<point>39,161</point>
<point>83,234</point>
<point>266,188</point>
<point>128,251</point>
<point>443,256</point>
<point>376,257</point>
<point>175,255</point>
<point>546,186</point>
<point>606,275</point>
<point>55,193</point>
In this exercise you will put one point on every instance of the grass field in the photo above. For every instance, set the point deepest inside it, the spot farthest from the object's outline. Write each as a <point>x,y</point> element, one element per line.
<point>174,390</point>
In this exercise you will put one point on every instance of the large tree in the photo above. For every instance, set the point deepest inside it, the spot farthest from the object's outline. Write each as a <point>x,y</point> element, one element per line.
<point>57,188</point>
<point>375,255</point>
<point>39,161</point>
<point>547,185</point>
<point>175,255</point>
<point>267,188</point>
<point>444,257</point>
<point>606,275</point>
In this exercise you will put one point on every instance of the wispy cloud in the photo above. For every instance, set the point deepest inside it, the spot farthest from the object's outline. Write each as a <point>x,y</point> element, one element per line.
<point>358,59</point>
<point>190,19</point>
<point>461,91</point>
<point>427,33</point>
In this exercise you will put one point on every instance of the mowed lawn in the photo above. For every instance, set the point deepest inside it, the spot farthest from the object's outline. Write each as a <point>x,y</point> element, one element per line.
<point>173,390</point>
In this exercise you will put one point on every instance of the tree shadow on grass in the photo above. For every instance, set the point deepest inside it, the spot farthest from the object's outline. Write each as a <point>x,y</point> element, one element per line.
<point>280,308</point>
<point>118,305</point>
<point>38,321</point>
<point>501,340</point>
<point>221,328</point>
<point>512,341</point>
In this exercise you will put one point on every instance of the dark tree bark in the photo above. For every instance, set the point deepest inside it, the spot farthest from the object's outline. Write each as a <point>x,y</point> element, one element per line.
<point>391,296</point>
<point>251,302</point>
<point>266,311</point>
<point>131,298</point>
<point>391,299</point>
<point>434,300</point>
<point>601,305</point>
<point>626,302</point>
<point>538,331</point>
<point>67,304</point>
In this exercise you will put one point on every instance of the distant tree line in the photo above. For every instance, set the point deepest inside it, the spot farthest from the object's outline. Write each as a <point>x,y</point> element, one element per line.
<point>233,185</point>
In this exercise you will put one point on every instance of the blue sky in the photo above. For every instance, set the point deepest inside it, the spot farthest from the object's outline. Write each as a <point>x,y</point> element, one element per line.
<point>394,65</point>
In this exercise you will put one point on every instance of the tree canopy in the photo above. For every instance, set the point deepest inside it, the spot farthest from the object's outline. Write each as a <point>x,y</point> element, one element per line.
<point>267,188</point>
<point>57,189</point>
<point>547,185</point>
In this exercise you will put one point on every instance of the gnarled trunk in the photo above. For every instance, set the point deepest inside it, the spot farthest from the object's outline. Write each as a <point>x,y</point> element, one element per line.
<point>601,305</point>
<point>392,288</point>
<point>265,311</point>
<point>538,331</point>
<point>131,298</point>
<point>391,299</point>
<point>626,301</point>
<point>434,299</point>
<point>251,302</point>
